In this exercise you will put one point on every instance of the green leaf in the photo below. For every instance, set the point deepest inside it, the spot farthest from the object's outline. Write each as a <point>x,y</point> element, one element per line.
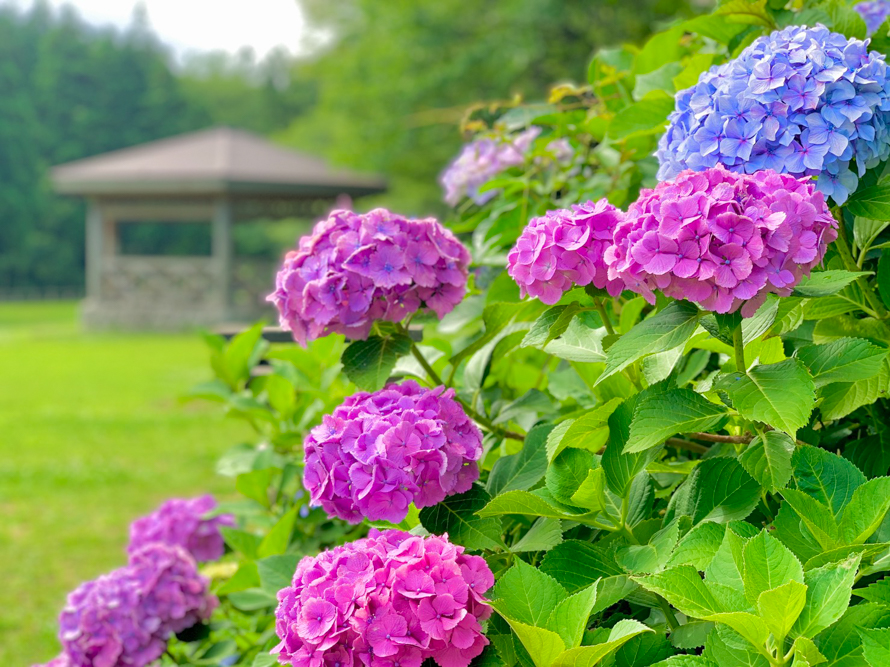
<point>456,515</point>
<point>569,618</point>
<point>253,599</point>
<point>543,645</point>
<point>826,283</point>
<point>781,395</point>
<point>241,541</point>
<point>749,626</point>
<point>523,470</point>
<point>883,278</point>
<point>865,231</point>
<point>839,399</point>
<point>255,485</point>
<point>544,534</point>
<point>842,360</point>
<point>780,607</point>
<point>865,511</point>
<point>726,648</point>
<point>587,656</point>
<point>768,565</point>
<point>683,587</point>
<point>817,518</point>
<point>590,431</point>
<point>664,331</point>
<point>828,595</point>
<point>659,416</point>
<point>582,340</point>
<point>619,467</point>
<point>686,661</point>
<point>876,646</point>
<point>841,643</point>
<point>806,654</point>
<point>719,489</point>
<point>871,202</point>
<point>724,574</point>
<point>576,564</point>
<point>879,592</point>
<point>827,477</point>
<point>277,572</point>
<point>650,113</point>
<point>551,324</point>
<point>369,363</point>
<point>643,649</point>
<point>651,557</point>
<point>528,504</point>
<point>699,546</point>
<point>768,460</point>
<point>753,12</point>
<point>241,354</point>
<point>246,576</point>
<point>527,594</point>
<point>568,472</point>
<point>276,540</point>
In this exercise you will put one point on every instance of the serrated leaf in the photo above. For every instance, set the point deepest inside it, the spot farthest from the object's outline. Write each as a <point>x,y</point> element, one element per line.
<point>683,587</point>
<point>876,647</point>
<point>650,113</point>
<point>719,489</point>
<point>543,535</point>
<point>650,557</point>
<point>643,649</point>
<point>569,618</point>
<point>581,341</point>
<point>576,564</point>
<point>749,626</point>
<point>752,12</point>
<point>699,546</point>
<point>523,470</point>
<point>588,656</point>
<point>456,515</point>
<point>806,654</point>
<point>872,202</point>
<point>619,467</point>
<point>842,360</point>
<point>527,594</point>
<point>878,592</point>
<point>589,431</point>
<point>780,607</point>
<point>768,565</point>
<point>664,331</point>
<point>591,493</point>
<point>767,459</point>
<point>841,643</point>
<point>828,595</point>
<point>369,363</point>
<point>277,572</point>
<point>686,661</point>
<point>276,540</point>
<point>814,515</point>
<point>659,416</point>
<point>727,648</point>
<point>826,283</point>
<point>781,395</point>
<point>550,325</point>
<point>543,645</point>
<point>825,476</point>
<point>865,511</point>
<point>567,473</point>
<point>841,398</point>
<point>528,504</point>
<point>866,230</point>
<point>724,575</point>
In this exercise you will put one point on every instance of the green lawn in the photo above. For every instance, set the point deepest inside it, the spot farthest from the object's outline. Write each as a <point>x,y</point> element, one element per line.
<point>91,436</point>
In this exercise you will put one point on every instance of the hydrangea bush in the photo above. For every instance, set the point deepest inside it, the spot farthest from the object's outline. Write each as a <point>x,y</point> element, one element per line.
<point>183,522</point>
<point>647,422</point>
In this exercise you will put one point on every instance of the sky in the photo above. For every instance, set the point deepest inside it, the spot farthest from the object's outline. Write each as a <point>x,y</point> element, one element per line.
<point>203,25</point>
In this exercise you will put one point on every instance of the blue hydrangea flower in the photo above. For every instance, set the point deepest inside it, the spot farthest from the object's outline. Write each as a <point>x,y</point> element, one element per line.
<point>802,101</point>
<point>874,12</point>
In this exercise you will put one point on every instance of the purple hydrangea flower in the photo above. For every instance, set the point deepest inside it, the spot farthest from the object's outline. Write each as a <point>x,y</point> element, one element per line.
<point>874,12</point>
<point>482,159</point>
<point>565,248</point>
<point>390,600</point>
<point>355,269</point>
<point>721,239</point>
<point>125,618</point>
<point>377,453</point>
<point>180,522</point>
<point>802,101</point>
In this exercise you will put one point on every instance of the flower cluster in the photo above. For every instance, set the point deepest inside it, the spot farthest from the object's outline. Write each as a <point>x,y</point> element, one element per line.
<point>377,453</point>
<point>354,269</point>
<point>803,101</point>
<point>720,238</point>
<point>486,157</point>
<point>180,522</point>
<point>874,13</point>
<point>392,599</point>
<point>125,618</point>
<point>563,248</point>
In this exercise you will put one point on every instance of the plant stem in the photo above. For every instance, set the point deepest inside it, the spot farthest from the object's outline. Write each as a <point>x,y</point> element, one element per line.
<point>688,445</point>
<point>483,421</point>
<point>843,246</point>
<point>738,343</point>
<point>668,613</point>
<point>716,437</point>
<point>601,309</point>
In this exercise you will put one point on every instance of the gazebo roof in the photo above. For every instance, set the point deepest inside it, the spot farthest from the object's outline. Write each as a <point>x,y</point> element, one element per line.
<point>216,161</point>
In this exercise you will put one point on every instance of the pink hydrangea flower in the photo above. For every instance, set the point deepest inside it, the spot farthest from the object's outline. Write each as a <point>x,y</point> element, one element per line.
<point>125,618</point>
<point>377,453</point>
<point>565,248</point>
<point>391,599</point>
<point>722,239</point>
<point>180,522</point>
<point>355,269</point>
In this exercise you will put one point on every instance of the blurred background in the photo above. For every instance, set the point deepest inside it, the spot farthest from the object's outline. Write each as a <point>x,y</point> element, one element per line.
<point>91,431</point>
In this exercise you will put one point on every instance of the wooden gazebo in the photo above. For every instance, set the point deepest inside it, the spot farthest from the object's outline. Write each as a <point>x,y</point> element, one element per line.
<point>219,177</point>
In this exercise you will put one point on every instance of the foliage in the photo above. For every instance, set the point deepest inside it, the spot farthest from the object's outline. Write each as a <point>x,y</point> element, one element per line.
<point>660,484</point>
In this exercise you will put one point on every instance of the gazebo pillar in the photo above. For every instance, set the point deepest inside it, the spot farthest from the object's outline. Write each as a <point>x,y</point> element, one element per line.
<point>222,248</point>
<point>95,232</point>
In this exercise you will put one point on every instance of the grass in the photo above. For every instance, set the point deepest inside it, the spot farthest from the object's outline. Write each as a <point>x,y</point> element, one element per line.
<point>91,436</point>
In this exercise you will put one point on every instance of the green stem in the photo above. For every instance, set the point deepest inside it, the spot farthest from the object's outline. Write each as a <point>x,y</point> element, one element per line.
<point>478,418</point>
<point>601,309</point>
<point>843,246</point>
<point>668,613</point>
<point>738,343</point>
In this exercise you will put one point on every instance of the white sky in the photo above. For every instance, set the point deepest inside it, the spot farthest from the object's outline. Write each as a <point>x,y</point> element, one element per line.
<point>203,25</point>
